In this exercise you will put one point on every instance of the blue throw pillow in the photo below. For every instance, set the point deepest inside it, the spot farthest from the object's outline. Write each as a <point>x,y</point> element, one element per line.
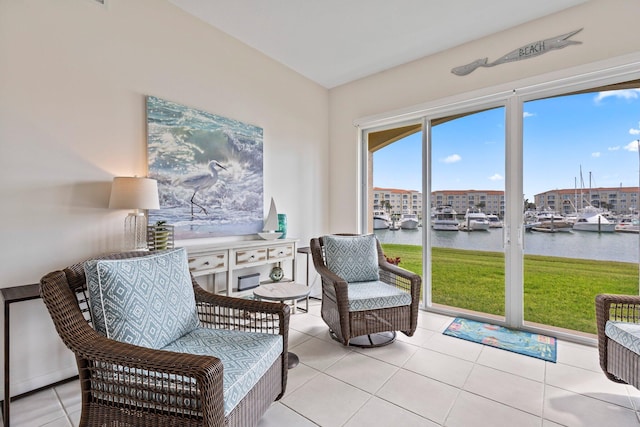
<point>354,258</point>
<point>146,301</point>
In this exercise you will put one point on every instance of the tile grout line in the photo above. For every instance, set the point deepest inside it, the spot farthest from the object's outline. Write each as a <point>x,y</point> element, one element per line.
<point>64,410</point>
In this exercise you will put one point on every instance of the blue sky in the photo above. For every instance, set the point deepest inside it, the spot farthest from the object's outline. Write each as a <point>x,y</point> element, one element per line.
<point>595,131</point>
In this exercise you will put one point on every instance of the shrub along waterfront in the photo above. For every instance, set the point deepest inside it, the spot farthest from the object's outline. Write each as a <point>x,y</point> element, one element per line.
<point>557,291</point>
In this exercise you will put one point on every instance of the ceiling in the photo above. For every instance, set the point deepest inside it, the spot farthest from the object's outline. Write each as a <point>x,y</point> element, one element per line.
<point>333,42</point>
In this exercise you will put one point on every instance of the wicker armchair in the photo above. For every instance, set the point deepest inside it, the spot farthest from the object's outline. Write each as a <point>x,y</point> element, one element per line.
<point>128,385</point>
<point>365,328</point>
<point>619,364</point>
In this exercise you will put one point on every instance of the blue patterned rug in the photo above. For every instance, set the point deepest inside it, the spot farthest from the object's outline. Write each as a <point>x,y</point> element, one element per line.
<point>521,342</point>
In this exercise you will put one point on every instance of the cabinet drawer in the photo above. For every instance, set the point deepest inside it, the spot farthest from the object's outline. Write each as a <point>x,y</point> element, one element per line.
<point>250,256</point>
<point>280,252</point>
<point>208,263</point>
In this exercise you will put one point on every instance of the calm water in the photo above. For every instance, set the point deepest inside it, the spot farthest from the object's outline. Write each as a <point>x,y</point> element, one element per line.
<point>604,246</point>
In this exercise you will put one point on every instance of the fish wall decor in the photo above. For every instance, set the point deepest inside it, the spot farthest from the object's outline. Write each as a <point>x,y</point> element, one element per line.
<point>525,52</point>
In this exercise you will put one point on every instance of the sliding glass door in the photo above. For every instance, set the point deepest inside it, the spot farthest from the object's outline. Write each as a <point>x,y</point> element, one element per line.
<point>467,211</point>
<point>556,169</point>
<point>581,205</point>
<point>395,210</point>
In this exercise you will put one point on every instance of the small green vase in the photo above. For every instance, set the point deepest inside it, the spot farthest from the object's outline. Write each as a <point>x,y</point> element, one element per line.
<point>282,225</point>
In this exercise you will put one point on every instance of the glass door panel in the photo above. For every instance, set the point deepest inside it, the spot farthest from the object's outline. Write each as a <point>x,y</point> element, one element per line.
<point>580,173</point>
<point>395,194</point>
<point>467,212</point>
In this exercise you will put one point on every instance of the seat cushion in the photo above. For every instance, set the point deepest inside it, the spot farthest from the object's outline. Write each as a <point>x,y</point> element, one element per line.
<point>245,356</point>
<point>146,301</point>
<point>624,333</point>
<point>374,295</point>
<point>353,258</point>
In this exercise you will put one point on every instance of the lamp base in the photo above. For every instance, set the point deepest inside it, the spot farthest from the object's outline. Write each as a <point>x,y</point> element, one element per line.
<point>135,231</point>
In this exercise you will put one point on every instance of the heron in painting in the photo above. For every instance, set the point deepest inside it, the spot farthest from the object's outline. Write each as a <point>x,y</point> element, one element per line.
<point>202,181</point>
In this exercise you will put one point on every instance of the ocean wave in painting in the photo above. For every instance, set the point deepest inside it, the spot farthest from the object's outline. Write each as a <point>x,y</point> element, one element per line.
<point>182,145</point>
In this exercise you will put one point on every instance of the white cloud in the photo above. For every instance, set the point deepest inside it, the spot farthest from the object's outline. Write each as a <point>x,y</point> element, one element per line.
<point>616,148</point>
<point>496,177</point>
<point>527,114</point>
<point>632,146</point>
<point>452,158</point>
<point>624,94</point>
<point>633,131</point>
<point>596,154</point>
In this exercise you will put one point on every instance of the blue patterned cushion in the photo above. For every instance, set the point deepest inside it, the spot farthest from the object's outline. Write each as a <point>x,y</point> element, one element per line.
<point>245,356</point>
<point>374,295</point>
<point>624,333</point>
<point>354,258</point>
<point>146,301</point>
<point>95,303</point>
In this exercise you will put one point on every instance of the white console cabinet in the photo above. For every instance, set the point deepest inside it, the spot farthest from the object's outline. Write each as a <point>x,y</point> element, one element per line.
<point>230,258</point>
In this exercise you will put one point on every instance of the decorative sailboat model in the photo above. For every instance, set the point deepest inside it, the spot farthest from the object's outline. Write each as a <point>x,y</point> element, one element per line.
<point>271,224</point>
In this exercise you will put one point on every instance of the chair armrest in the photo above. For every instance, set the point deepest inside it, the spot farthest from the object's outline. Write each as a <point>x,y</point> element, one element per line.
<point>621,308</point>
<point>155,373</point>
<point>223,312</point>
<point>401,278</point>
<point>332,284</point>
<point>117,371</point>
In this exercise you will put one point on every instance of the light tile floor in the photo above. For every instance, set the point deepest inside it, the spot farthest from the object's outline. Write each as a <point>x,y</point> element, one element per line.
<point>426,380</point>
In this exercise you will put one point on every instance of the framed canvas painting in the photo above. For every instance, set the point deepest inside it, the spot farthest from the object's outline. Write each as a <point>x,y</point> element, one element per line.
<point>209,171</point>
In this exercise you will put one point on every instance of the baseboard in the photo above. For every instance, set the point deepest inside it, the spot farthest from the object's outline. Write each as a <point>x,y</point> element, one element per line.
<point>40,382</point>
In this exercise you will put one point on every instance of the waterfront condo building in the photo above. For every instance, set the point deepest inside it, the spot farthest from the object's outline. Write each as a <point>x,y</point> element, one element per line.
<point>396,201</point>
<point>619,200</point>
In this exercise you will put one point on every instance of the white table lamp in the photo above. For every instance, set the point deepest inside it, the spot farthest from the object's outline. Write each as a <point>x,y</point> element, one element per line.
<point>138,194</point>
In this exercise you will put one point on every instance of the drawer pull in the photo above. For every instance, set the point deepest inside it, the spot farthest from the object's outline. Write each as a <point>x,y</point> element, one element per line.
<point>252,257</point>
<point>281,253</point>
<point>206,263</point>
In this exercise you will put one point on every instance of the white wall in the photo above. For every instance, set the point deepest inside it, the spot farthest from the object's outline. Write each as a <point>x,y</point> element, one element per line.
<point>73,80</point>
<point>609,31</point>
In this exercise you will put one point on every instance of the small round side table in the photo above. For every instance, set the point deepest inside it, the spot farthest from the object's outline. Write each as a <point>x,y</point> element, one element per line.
<point>287,291</point>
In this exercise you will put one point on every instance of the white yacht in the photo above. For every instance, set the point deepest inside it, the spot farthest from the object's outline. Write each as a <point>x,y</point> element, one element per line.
<point>381,220</point>
<point>628,225</point>
<point>474,220</point>
<point>494,221</point>
<point>409,222</point>
<point>550,222</point>
<point>444,218</point>
<point>593,219</point>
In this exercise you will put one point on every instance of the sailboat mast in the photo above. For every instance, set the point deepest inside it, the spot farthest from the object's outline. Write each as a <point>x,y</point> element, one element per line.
<point>575,193</point>
<point>590,198</point>
<point>581,187</point>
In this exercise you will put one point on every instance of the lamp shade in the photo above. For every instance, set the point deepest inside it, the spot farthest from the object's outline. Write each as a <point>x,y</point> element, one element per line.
<point>134,193</point>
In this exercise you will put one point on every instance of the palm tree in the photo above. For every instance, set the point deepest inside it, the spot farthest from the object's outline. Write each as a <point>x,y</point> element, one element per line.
<point>386,205</point>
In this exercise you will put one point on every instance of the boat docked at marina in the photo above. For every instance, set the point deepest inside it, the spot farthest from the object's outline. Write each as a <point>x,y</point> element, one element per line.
<point>628,225</point>
<point>594,220</point>
<point>409,222</point>
<point>444,218</point>
<point>474,220</point>
<point>494,221</point>
<point>381,220</point>
<point>550,222</point>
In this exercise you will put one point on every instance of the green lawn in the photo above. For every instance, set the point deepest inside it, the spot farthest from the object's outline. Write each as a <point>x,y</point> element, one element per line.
<point>557,291</point>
